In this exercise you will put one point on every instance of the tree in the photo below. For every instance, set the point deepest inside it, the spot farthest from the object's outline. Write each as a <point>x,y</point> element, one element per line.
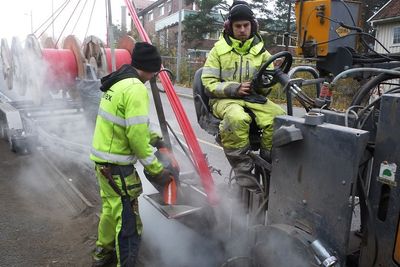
<point>272,18</point>
<point>368,8</point>
<point>201,23</point>
<point>272,15</point>
<point>118,32</point>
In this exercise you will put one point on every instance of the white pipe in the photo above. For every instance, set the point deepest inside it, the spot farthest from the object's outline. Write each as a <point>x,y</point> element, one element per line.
<point>344,73</point>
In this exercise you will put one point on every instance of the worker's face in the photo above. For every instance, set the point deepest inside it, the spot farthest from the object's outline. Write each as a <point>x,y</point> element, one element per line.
<point>241,30</point>
<point>145,76</point>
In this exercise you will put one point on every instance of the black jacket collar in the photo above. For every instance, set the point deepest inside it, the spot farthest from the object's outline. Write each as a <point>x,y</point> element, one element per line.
<point>126,71</point>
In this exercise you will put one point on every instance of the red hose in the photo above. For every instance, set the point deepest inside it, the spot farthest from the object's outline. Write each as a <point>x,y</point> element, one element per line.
<point>190,137</point>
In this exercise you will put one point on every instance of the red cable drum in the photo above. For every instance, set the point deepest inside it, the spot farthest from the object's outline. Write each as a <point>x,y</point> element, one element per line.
<point>64,69</point>
<point>122,53</point>
<point>99,57</point>
<point>122,56</point>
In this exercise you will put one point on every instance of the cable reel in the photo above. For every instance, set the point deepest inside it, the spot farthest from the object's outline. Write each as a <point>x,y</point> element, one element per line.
<point>99,56</point>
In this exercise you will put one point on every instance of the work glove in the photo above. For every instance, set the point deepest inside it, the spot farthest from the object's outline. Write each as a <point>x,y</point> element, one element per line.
<point>166,184</point>
<point>253,97</point>
<point>166,157</point>
<point>160,180</point>
<point>159,143</point>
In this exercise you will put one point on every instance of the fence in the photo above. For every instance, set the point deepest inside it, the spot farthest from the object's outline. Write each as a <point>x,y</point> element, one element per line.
<point>187,68</point>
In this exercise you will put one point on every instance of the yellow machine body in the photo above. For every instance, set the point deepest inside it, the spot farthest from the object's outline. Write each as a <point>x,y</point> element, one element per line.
<point>310,27</point>
<point>320,26</point>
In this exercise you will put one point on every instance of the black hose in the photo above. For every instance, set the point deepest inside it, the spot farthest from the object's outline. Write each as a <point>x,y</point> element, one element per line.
<point>304,102</point>
<point>369,110</point>
<point>370,85</point>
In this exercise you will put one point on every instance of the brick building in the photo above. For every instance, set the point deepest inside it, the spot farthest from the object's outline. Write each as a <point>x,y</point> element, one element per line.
<point>160,19</point>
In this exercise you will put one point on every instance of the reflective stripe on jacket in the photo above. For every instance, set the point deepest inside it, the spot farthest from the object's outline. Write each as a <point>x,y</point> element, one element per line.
<point>230,62</point>
<point>122,134</point>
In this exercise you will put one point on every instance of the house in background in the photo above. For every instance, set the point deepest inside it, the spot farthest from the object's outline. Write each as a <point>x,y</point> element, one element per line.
<point>386,22</point>
<point>387,25</point>
<point>160,19</point>
<point>142,4</point>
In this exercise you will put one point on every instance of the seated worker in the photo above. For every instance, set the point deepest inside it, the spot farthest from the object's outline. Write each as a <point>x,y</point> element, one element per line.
<point>226,76</point>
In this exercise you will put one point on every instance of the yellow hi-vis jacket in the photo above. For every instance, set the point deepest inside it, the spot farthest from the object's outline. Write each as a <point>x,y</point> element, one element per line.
<point>230,63</point>
<point>122,134</point>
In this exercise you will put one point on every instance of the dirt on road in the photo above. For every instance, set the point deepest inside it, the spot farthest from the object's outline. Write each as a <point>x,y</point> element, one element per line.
<point>42,223</point>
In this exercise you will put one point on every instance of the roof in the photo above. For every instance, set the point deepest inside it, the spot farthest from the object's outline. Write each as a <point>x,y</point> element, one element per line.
<point>390,10</point>
<point>151,6</point>
<point>142,4</point>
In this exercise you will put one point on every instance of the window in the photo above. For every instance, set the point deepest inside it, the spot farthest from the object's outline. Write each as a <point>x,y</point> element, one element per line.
<point>161,7</point>
<point>212,35</point>
<point>169,6</point>
<point>206,36</point>
<point>396,35</point>
<point>215,35</point>
<point>150,15</point>
<point>162,38</point>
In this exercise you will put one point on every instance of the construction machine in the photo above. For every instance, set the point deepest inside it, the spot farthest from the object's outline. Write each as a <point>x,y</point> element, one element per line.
<point>330,195</point>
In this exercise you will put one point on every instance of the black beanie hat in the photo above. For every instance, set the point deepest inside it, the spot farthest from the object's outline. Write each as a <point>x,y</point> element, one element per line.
<point>240,10</point>
<point>146,57</point>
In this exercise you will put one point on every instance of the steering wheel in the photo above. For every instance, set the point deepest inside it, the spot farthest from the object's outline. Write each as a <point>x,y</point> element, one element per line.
<point>267,77</point>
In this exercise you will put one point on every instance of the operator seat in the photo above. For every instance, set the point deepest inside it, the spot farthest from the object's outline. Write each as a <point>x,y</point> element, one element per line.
<point>209,122</point>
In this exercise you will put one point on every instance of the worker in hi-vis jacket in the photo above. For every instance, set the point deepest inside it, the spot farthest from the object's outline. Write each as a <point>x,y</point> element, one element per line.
<point>226,76</point>
<point>122,137</point>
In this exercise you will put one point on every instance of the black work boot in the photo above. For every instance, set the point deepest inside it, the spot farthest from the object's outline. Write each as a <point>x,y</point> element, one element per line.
<point>102,257</point>
<point>242,165</point>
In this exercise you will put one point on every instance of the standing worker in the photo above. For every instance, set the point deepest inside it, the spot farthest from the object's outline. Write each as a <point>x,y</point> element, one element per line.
<point>228,70</point>
<point>121,137</point>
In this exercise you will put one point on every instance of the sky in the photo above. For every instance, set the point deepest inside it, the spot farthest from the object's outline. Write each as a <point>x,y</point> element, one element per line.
<point>20,17</point>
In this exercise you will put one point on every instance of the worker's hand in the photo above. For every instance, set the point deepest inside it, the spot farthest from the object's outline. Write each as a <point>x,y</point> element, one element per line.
<point>166,157</point>
<point>244,89</point>
<point>160,144</point>
<point>161,179</point>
